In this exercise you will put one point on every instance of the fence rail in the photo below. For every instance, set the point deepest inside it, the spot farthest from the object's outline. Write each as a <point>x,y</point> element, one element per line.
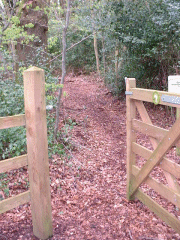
<point>12,121</point>
<point>37,155</point>
<point>13,163</point>
<point>162,141</point>
<point>14,201</point>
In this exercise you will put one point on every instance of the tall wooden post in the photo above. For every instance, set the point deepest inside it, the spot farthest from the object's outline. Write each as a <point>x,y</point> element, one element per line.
<point>37,149</point>
<point>131,136</point>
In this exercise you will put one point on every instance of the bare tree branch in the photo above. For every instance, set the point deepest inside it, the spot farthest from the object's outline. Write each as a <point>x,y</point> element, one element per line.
<point>12,11</point>
<point>63,67</point>
<point>71,47</point>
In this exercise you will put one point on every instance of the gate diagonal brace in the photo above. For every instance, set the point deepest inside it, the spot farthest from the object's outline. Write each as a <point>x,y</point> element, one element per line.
<point>168,141</point>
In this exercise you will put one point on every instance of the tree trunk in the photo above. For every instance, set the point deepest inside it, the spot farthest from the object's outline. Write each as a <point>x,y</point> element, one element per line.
<point>104,59</point>
<point>63,68</point>
<point>15,62</point>
<point>6,13</point>
<point>95,41</point>
<point>96,53</point>
<point>40,21</point>
<point>116,63</point>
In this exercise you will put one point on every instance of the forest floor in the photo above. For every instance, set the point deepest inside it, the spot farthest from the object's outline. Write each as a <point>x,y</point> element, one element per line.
<point>88,185</point>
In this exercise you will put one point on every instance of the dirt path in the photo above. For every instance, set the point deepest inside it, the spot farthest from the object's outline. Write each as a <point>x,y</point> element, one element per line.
<point>89,186</point>
<point>96,206</point>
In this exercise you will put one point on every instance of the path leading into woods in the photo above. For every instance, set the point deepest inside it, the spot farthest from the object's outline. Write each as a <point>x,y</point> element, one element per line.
<point>89,186</point>
<point>92,201</point>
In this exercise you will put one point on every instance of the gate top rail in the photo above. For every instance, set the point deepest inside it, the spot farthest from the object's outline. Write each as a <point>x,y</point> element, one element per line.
<point>156,97</point>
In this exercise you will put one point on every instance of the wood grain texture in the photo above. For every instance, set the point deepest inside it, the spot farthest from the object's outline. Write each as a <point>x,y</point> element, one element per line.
<point>147,96</point>
<point>12,121</point>
<point>37,148</point>
<point>149,129</point>
<point>131,137</point>
<point>10,203</point>
<point>166,164</point>
<point>168,141</point>
<point>146,119</point>
<point>13,163</point>
<point>159,211</point>
<point>162,189</point>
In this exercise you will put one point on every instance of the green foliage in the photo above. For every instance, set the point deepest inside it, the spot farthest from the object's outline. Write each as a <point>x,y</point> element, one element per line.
<point>82,56</point>
<point>63,136</point>
<point>149,30</point>
<point>79,57</point>
<point>6,63</point>
<point>15,32</point>
<point>11,98</point>
<point>4,184</point>
<point>12,140</point>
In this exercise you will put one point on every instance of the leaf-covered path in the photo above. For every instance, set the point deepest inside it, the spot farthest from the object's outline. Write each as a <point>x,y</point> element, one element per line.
<point>92,200</point>
<point>89,185</point>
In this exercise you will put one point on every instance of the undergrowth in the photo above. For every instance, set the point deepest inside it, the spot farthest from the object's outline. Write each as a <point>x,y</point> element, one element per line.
<point>13,140</point>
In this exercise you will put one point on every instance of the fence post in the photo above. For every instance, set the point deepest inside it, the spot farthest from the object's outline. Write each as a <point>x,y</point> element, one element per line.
<point>37,149</point>
<point>131,136</point>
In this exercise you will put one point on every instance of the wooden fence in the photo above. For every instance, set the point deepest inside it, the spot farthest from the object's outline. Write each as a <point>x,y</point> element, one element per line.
<point>162,140</point>
<point>37,155</point>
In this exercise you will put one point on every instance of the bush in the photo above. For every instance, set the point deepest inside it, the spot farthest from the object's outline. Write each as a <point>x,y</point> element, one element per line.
<point>12,140</point>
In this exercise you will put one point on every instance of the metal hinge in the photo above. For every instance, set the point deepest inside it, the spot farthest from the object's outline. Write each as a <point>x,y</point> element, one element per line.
<point>128,93</point>
<point>170,99</point>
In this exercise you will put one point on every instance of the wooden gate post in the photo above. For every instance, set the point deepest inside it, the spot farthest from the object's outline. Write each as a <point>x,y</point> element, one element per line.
<point>37,149</point>
<point>131,136</point>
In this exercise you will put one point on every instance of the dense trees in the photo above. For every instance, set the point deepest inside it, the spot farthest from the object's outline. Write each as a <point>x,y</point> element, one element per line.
<point>23,26</point>
<point>32,13</point>
<point>150,31</point>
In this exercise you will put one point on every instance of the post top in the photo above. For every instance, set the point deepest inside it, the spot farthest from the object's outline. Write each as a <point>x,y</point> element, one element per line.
<point>33,69</point>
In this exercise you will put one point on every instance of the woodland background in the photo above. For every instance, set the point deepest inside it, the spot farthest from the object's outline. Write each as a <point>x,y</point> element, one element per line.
<point>91,46</point>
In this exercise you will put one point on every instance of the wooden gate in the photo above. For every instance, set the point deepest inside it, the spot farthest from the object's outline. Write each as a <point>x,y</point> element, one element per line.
<point>162,141</point>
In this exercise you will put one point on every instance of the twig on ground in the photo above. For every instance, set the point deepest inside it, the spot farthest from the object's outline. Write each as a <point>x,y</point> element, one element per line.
<point>3,236</point>
<point>77,161</point>
<point>130,234</point>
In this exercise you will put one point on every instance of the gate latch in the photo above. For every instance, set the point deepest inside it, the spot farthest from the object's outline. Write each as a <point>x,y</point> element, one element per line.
<point>128,93</point>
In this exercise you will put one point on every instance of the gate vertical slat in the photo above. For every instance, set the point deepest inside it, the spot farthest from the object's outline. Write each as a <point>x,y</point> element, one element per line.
<point>131,137</point>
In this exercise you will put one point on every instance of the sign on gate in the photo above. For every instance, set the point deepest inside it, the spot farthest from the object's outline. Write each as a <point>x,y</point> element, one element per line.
<point>174,84</point>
